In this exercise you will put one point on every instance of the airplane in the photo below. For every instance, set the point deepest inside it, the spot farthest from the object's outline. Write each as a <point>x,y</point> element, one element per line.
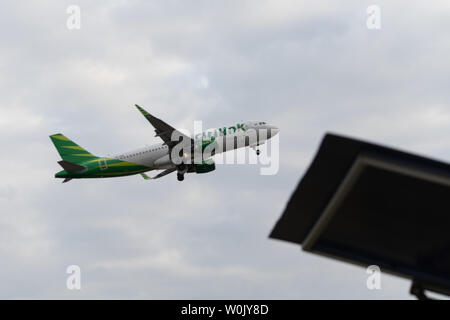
<point>78,163</point>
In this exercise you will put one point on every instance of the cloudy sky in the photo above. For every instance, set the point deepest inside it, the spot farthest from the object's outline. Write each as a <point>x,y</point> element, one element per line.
<point>308,67</point>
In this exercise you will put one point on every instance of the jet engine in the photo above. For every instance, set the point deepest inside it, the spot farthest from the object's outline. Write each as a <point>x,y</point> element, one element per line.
<point>204,167</point>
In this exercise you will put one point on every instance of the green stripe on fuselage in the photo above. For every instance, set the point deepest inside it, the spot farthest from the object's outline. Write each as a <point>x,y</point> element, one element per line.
<point>118,174</point>
<point>104,167</point>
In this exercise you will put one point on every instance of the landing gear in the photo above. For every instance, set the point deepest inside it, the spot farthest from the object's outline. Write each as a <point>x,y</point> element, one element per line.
<point>258,152</point>
<point>181,170</point>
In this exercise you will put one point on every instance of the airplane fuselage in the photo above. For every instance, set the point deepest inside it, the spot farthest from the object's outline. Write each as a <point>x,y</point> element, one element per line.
<point>158,156</point>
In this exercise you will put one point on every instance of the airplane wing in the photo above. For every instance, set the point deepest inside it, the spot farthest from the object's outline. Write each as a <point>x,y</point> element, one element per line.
<point>163,130</point>
<point>162,174</point>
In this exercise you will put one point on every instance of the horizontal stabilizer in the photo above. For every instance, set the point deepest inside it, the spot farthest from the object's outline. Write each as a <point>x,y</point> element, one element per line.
<point>71,167</point>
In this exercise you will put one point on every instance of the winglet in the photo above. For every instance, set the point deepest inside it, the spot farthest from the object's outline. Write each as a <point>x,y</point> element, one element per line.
<point>162,129</point>
<point>146,177</point>
<point>145,113</point>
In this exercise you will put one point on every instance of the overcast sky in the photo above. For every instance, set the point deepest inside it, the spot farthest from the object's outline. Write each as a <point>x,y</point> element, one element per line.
<point>308,67</point>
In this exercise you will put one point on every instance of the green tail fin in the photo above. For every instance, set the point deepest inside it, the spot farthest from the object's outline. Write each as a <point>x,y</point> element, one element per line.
<point>69,150</point>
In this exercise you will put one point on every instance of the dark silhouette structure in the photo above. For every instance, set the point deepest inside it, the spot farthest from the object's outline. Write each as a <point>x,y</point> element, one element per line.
<point>371,205</point>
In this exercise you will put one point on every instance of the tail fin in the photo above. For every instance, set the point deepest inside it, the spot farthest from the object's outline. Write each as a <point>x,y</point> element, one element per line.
<point>69,150</point>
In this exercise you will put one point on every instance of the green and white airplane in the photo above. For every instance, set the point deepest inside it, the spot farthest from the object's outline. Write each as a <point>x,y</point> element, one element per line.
<point>78,163</point>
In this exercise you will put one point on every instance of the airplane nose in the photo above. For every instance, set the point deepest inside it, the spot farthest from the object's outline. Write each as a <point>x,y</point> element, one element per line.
<point>274,130</point>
